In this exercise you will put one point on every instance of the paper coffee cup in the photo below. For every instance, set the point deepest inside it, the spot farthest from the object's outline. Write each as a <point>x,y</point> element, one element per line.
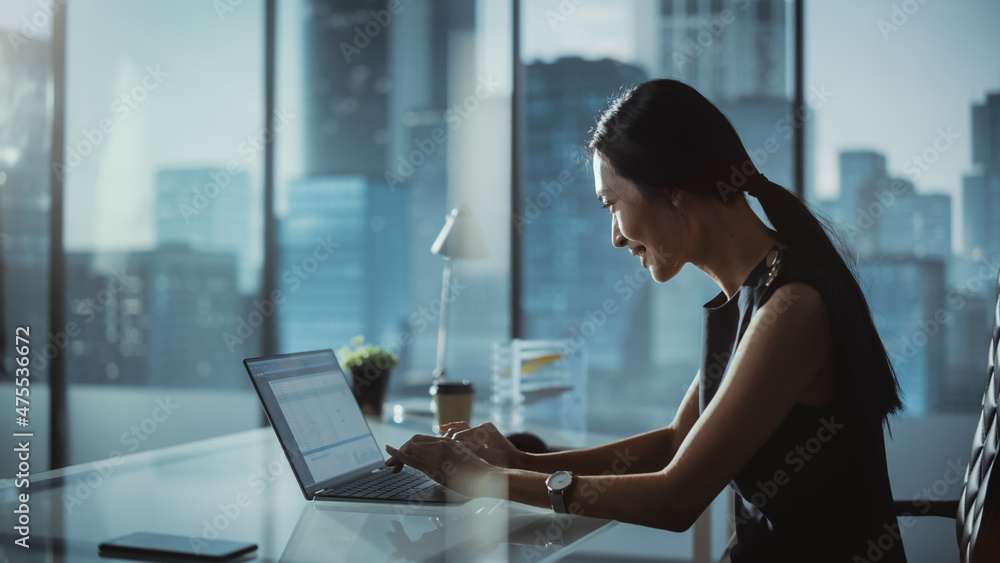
<point>452,401</point>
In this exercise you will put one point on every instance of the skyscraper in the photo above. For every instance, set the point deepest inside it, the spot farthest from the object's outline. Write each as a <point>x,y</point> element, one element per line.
<point>344,262</point>
<point>728,51</point>
<point>886,216</point>
<point>108,308</point>
<point>191,298</point>
<point>976,265</point>
<point>986,133</point>
<point>916,225</point>
<point>861,172</point>
<point>566,249</point>
<point>153,318</point>
<point>570,270</point>
<point>734,53</point>
<point>381,80</point>
<point>968,337</point>
<point>208,210</point>
<point>905,295</point>
<point>981,187</point>
<point>347,85</point>
<point>904,241</point>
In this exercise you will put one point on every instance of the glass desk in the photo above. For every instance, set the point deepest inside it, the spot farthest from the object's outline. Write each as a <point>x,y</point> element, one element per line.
<point>240,487</point>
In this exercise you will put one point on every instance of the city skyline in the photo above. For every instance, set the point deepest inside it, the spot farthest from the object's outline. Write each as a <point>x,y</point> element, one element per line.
<point>852,120</point>
<point>365,117</point>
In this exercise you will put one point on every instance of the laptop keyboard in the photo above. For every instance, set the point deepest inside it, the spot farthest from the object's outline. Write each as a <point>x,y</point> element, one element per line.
<point>385,485</point>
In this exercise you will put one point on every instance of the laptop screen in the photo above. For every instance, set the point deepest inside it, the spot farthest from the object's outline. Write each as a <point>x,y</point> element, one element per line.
<point>314,413</point>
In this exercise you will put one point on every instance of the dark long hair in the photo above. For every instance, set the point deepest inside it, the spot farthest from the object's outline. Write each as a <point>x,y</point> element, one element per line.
<point>664,136</point>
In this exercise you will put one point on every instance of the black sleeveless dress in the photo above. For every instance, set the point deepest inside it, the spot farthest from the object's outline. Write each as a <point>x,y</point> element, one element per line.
<point>818,490</point>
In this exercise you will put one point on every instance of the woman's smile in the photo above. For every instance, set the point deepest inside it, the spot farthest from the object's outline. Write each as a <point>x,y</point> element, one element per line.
<point>639,251</point>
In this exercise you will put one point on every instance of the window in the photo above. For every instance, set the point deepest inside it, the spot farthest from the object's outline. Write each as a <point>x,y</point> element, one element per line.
<point>642,357</point>
<point>163,173</point>
<point>901,173</point>
<point>399,123</point>
<point>385,121</point>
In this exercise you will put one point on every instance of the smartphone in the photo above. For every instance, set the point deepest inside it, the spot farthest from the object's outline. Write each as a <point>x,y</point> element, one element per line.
<point>153,544</point>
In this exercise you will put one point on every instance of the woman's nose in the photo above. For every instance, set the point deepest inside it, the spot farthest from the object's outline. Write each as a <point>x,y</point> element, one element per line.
<point>617,239</point>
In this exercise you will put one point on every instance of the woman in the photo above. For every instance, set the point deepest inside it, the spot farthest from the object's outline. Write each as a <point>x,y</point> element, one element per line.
<point>794,386</point>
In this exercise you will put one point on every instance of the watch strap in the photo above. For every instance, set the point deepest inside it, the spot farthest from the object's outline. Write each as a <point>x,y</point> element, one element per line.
<point>557,497</point>
<point>558,500</point>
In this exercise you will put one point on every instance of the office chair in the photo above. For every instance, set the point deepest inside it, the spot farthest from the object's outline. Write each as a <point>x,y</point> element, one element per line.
<point>977,511</point>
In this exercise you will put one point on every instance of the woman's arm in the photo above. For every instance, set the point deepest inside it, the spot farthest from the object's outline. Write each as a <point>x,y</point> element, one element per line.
<point>781,353</point>
<point>785,347</point>
<point>643,453</point>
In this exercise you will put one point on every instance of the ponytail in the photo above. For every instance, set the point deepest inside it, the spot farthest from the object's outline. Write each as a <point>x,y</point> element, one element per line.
<point>664,136</point>
<point>793,220</point>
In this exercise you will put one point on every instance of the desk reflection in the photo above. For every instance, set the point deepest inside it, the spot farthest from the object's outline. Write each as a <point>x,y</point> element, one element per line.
<point>484,530</point>
<point>194,489</point>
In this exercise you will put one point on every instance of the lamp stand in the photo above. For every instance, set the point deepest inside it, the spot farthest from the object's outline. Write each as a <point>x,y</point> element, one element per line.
<point>439,374</point>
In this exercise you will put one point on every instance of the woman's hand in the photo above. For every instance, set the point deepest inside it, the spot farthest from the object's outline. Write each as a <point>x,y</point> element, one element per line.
<point>450,463</point>
<point>488,443</point>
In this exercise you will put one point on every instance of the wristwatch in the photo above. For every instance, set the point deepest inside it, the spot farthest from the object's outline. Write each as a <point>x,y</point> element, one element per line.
<point>557,484</point>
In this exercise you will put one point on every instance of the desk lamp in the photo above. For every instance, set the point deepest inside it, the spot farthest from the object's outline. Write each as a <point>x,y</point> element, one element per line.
<point>460,238</point>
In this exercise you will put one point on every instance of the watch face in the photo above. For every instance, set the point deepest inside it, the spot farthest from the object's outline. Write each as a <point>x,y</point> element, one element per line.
<point>559,480</point>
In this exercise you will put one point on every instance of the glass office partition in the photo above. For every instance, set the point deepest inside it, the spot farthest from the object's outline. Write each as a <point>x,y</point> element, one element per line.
<point>163,172</point>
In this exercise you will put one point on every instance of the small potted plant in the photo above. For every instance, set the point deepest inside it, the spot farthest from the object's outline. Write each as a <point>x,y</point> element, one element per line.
<point>370,367</point>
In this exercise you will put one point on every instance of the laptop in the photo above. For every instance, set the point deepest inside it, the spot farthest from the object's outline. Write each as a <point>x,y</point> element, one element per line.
<point>326,438</point>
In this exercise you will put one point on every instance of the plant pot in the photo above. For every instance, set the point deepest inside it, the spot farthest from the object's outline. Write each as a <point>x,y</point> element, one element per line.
<point>370,383</point>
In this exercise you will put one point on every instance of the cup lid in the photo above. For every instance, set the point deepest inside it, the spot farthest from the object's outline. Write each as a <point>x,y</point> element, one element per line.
<point>451,388</point>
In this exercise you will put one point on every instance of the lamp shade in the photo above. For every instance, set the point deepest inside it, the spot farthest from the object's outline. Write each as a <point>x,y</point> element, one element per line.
<point>460,237</point>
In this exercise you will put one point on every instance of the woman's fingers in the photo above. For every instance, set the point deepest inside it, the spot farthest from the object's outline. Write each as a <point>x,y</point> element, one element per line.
<point>490,444</point>
<point>422,438</point>
<point>427,455</point>
<point>403,456</point>
<point>484,434</point>
<point>449,429</point>
<point>448,462</point>
<point>394,460</point>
